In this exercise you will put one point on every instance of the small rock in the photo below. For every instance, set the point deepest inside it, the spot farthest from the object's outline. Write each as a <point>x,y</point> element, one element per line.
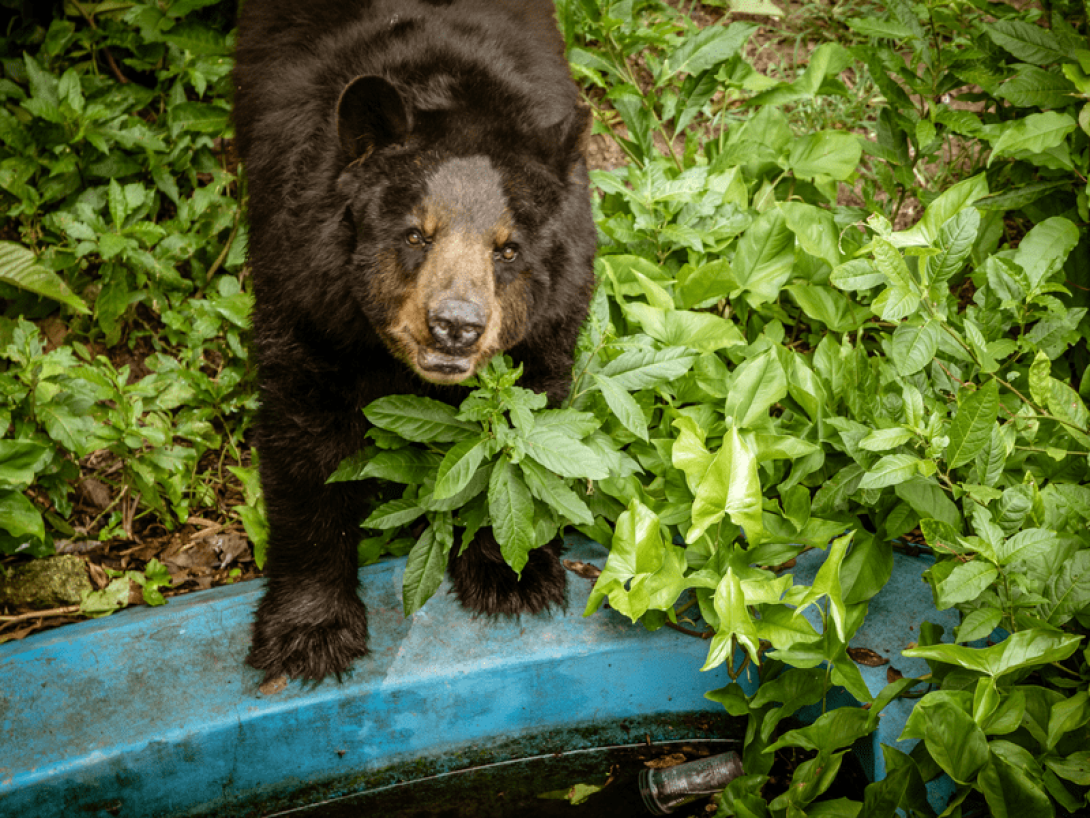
<point>50,582</point>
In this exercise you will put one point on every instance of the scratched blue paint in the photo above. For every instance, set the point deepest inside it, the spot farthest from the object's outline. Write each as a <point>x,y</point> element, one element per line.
<point>152,712</point>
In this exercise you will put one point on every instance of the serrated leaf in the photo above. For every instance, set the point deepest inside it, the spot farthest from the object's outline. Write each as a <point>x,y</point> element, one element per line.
<point>512,510</point>
<point>972,426</point>
<point>419,419</point>
<point>424,569</point>
<point>393,514</point>
<point>956,238</point>
<point>550,489</point>
<point>459,464</point>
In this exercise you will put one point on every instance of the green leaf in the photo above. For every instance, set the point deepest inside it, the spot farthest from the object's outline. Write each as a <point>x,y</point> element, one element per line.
<point>735,622</point>
<point>419,419</point>
<point>758,383</point>
<point>393,514</point>
<point>425,568</point>
<point>636,552</point>
<point>965,583</point>
<point>914,347</point>
<point>954,740</point>
<point>1027,41</point>
<point>1020,651</point>
<point>730,486</point>
<point>512,510</point>
<point>556,450</point>
<point>20,517</point>
<point>881,440</point>
<point>637,369</point>
<point>623,405</point>
<point>706,49</point>
<point>19,267</point>
<point>835,154</point>
<point>956,238</point>
<point>409,465</point>
<point>459,465</point>
<point>1034,133</point>
<point>972,426</point>
<point>765,257</point>
<point>1010,792</point>
<point>891,470</point>
<point>550,489</point>
<point>21,460</point>
<point>199,117</point>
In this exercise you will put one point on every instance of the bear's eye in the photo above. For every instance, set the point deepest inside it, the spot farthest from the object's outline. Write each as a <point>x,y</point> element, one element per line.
<point>509,252</point>
<point>414,238</point>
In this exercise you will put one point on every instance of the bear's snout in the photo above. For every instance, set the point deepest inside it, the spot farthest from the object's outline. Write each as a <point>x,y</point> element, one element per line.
<point>456,323</point>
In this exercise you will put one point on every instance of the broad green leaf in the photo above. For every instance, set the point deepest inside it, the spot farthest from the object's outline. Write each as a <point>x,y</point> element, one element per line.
<point>393,514</point>
<point>1034,133</point>
<point>953,201</point>
<point>199,117</point>
<point>700,331</point>
<point>951,736</point>
<point>857,274</point>
<point>550,489</point>
<point>706,49</point>
<point>21,460</point>
<point>1075,767</point>
<point>758,384</point>
<point>827,583</point>
<point>459,464</point>
<point>1040,380</point>
<point>881,440</point>
<point>891,470</point>
<point>637,369</point>
<point>512,510</point>
<point>730,486</point>
<point>19,267</point>
<point>623,405</point>
<point>914,347</point>
<point>408,465</point>
<point>558,451</point>
<point>1044,249</point>
<point>966,582</point>
<point>765,257</point>
<point>955,243</point>
<point>1027,41</point>
<point>636,552</point>
<point>972,426</point>
<point>20,517</point>
<point>978,624</point>
<point>1025,649</point>
<point>815,229</point>
<point>425,568</point>
<point>419,419</point>
<point>1011,792</point>
<point>835,154</point>
<point>735,622</point>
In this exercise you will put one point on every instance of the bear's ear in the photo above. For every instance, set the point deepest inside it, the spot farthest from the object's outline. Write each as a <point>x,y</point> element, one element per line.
<point>572,135</point>
<point>370,114</point>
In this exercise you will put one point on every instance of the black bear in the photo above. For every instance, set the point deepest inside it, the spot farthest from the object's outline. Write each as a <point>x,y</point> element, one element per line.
<point>418,202</point>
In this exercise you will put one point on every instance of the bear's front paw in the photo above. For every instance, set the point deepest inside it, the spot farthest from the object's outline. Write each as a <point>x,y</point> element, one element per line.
<point>485,583</point>
<point>308,641</point>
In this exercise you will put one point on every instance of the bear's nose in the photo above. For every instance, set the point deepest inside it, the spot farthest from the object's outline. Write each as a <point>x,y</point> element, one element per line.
<point>456,324</point>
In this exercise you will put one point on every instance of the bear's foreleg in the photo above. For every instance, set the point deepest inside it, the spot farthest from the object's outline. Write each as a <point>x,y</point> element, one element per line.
<point>311,622</point>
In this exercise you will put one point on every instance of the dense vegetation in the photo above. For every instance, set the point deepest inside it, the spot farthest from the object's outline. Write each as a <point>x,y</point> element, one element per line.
<point>844,274</point>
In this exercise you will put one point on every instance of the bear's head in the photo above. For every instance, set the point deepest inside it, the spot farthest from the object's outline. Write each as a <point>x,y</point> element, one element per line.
<point>457,213</point>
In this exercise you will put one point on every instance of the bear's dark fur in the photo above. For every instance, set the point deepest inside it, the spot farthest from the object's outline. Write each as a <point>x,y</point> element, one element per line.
<point>418,201</point>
